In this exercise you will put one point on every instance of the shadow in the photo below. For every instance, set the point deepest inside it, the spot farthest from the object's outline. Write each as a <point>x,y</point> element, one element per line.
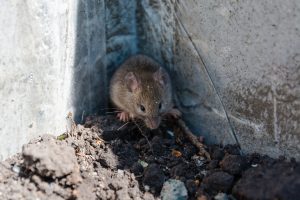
<point>148,154</point>
<point>89,79</point>
<point>105,37</point>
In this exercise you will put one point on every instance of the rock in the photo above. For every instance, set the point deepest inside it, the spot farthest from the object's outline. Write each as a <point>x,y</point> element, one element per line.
<point>16,169</point>
<point>154,178</point>
<point>191,186</point>
<point>233,164</point>
<point>232,149</point>
<point>156,144</point>
<point>279,182</point>
<point>173,190</point>
<point>213,164</point>
<point>216,153</point>
<point>218,181</point>
<point>137,168</point>
<point>221,196</point>
<point>52,158</point>
<point>189,151</point>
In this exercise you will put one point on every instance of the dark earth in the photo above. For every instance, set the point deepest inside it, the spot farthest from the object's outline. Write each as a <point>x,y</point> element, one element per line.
<point>105,159</point>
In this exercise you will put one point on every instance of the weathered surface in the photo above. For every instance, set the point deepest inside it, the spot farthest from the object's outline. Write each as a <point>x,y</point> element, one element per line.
<point>235,65</point>
<point>89,63</point>
<point>252,53</point>
<point>51,63</point>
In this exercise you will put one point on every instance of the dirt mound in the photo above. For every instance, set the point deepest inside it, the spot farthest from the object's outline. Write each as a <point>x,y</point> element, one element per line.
<point>106,160</point>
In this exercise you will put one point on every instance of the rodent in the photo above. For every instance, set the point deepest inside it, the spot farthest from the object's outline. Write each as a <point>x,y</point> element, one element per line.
<point>141,88</point>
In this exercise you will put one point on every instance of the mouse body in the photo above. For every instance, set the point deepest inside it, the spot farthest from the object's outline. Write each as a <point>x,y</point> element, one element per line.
<point>142,89</point>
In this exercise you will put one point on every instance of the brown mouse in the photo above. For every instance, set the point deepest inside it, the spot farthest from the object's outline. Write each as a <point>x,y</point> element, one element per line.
<point>142,89</point>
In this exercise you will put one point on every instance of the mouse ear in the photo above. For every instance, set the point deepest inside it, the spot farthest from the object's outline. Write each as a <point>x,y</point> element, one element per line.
<point>161,76</point>
<point>132,82</point>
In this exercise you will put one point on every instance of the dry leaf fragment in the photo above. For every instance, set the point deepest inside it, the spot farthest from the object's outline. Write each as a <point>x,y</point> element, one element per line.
<point>99,141</point>
<point>176,153</point>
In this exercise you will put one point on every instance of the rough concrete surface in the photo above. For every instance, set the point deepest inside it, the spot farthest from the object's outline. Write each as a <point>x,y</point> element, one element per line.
<point>52,62</point>
<point>35,69</point>
<point>252,53</point>
<point>235,65</point>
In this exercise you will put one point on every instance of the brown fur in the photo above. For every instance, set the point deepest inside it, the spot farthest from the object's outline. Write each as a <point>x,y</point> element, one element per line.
<point>149,93</point>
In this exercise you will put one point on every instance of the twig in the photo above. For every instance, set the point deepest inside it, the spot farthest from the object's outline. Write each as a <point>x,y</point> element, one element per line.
<point>150,146</point>
<point>193,139</point>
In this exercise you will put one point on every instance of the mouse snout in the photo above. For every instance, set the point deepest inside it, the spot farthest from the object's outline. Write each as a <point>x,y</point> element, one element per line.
<point>152,122</point>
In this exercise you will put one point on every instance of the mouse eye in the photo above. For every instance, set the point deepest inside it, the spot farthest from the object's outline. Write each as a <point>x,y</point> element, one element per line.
<point>159,106</point>
<point>142,108</point>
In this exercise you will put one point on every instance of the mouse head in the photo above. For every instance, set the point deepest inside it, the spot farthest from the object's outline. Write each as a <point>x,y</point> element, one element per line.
<point>151,96</point>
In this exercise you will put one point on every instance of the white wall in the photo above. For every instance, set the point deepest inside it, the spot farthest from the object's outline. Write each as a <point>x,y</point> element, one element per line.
<point>39,62</point>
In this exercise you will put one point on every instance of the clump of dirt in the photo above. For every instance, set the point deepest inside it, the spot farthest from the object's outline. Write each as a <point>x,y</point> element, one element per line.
<point>47,168</point>
<point>105,159</point>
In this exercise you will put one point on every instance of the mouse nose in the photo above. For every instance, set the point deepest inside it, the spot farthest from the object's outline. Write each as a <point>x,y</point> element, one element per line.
<point>153,122</point>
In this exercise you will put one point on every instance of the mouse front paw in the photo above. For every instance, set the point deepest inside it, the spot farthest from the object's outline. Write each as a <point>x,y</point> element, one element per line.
<point>123,116</point>
<point>174,113</point>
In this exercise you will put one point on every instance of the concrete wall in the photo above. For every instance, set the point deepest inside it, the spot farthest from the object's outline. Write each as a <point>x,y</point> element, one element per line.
<point>235,65</point>
<point>251,51</point>
<point>48,66</point>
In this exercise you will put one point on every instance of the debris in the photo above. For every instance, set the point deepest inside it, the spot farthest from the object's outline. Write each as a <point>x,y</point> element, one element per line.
<point>199,160</point>
<point>16,169</point>
<point>213,164</point>
<point>176,153</point>
<point>216,152</point>
<point>221,196</point>
<point>126,166</point>
<point>281,181</point>
<point>137,168</point>
<point>174,190</point>
<point>62,136</point>
<point>218,181</point>
<point>193,139</point>
<point>171,133</point>
<point>154,178</point>
<point>233,164</point>
<point>143,163</point>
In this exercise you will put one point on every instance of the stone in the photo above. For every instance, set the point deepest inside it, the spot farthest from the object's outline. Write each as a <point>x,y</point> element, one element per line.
<point>174,190</point>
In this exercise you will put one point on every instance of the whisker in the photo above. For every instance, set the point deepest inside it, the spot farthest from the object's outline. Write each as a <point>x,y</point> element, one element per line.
<point>122,126</point>
<point>108,109</point>
<point>111,112</point>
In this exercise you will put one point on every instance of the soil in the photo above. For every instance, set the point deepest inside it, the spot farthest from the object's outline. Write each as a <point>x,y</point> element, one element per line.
<point>105,159</point>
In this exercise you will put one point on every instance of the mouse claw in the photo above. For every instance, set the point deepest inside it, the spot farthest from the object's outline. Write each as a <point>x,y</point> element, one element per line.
<point>174,113</point>
<point>123,116</point>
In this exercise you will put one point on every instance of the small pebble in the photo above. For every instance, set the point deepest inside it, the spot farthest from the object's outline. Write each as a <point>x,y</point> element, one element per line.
<point>221,196</point>
<point>143,163</point>
<point>170,133</point>
<point>16,169</point>
<point>254,165</point>
<point>174,190</point>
